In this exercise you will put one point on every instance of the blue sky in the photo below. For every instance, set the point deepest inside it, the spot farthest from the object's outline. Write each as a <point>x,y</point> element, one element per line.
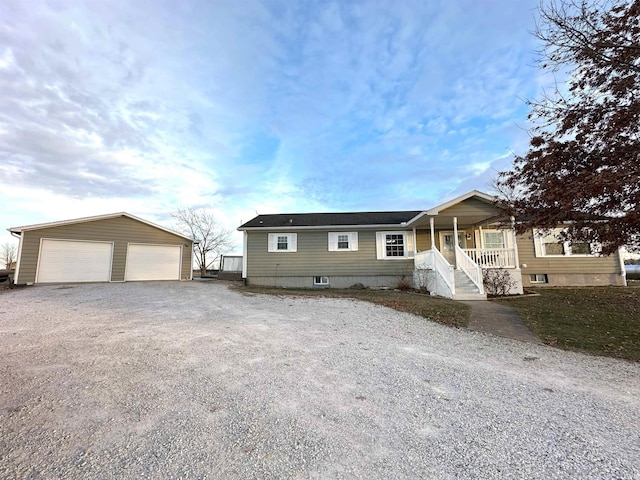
<point>257,105</point>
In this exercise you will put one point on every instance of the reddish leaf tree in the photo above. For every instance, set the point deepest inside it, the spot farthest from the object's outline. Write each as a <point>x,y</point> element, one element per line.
<point>583,163</point>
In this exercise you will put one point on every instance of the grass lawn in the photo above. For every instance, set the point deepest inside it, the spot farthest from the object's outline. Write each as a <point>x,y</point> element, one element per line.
<point>441,310</point>
<point>597,320</point>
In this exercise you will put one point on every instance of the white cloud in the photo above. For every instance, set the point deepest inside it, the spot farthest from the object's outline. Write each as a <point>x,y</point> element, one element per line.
<point>274,106</point>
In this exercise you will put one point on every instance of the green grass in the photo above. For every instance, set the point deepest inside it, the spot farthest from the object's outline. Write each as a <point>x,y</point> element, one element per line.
<point>441,310</point>
<point>597,320</point>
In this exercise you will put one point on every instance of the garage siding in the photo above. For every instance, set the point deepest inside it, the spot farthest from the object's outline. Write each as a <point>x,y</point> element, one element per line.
<point>119,230</point>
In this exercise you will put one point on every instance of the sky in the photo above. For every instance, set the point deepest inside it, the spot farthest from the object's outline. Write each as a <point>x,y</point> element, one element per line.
<point>258,106</point>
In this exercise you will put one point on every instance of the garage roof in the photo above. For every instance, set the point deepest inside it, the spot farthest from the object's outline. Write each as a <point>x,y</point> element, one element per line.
<point>38,226</point>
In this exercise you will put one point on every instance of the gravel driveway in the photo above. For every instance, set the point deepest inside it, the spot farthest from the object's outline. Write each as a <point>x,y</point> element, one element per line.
<point>192,380</point>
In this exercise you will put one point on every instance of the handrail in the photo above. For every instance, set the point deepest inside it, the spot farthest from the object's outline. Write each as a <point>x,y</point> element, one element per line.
<point>471,268</point>
<point>492,257</point>
<point>445,269</point>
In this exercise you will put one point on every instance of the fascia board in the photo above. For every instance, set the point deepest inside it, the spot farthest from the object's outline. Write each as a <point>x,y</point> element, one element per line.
<point>395,226</point>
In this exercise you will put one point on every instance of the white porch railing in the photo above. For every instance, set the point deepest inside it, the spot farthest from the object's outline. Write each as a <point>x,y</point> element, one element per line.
<point>444,269</point>
<point>465,263</point>
<point>492,257</point>
<point>443,283</point>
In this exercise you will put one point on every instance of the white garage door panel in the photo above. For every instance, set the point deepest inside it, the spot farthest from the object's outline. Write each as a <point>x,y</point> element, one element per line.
<point>153,262</point>
<point>72,261</point>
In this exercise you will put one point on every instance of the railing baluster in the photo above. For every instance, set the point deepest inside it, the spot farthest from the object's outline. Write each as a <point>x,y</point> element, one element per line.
<point>492,257</point>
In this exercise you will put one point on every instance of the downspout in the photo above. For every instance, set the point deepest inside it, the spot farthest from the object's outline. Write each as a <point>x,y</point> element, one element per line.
<point>516,255</point>
<point>245,242</point>
<point>623,272</point>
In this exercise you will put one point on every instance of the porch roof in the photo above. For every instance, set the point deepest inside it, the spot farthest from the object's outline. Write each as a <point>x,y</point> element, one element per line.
<point>472,208</point>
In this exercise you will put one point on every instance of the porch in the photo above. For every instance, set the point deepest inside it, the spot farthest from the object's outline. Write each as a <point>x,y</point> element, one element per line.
<point>452,254</point>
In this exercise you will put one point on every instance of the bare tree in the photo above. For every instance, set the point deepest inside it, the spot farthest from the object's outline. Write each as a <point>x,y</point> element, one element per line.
<point>583,161</point>
<point>7,255</point>
<point>210,239</point>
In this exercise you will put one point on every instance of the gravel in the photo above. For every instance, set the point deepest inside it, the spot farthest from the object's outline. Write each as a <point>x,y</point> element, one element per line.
<point>193,380</point>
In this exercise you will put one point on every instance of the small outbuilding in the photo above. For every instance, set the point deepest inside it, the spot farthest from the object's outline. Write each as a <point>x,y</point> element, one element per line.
<point>230,267</point>
<point>107,248</point>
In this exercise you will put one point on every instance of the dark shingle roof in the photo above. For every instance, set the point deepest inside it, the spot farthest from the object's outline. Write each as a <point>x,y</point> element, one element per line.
<point>330,219</point>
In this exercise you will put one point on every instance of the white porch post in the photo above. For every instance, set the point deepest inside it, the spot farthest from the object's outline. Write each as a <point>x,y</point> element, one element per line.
<point>481,236</point>
<point>516,257</point>
<point>455,239</point>
<point>415,243</point>
<point>433,234</point>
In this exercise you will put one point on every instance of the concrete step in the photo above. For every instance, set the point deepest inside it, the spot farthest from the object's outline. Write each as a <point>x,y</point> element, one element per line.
<point>465,288</point>
<point>469,296</point>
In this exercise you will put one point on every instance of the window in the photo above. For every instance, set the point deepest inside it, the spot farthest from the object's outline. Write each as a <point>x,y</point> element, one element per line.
<point>321,281</point>
<point>550,243</point>
<point>580,248</point>
<point>538,278</point>
<point>282,242</point>
<point>343,241</point>
<point>493,239</point>
<point>553,247</point>
<point>394,245</point>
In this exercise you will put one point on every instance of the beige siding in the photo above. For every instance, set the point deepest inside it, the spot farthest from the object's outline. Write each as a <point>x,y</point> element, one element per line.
<point>423,240</point>
<point>119,230</point>
<point>469,207</point>
<point>565,268</point>
<point>313,258</point>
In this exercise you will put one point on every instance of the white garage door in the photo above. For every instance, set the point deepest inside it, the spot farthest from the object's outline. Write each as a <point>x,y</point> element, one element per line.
<point>74,261</point>
<point>153,262</point>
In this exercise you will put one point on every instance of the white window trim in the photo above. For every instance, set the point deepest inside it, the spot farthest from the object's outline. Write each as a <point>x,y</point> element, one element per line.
<point>381,251</point>
<point>292,242</point>
<point>333,242</point>
<point>539,247</point>
<point>322,283</point>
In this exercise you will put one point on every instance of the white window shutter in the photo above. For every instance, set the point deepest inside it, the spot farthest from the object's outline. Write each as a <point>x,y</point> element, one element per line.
<point>273,238</point>
<point>409,244</point>
<point>333,241</point>
<point>293,242</point>
<point>353,241</point>
<point>380,244</point>
<point>537,243</point>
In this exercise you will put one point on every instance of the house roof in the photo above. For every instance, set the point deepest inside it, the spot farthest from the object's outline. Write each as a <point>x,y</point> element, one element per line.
<point>287,220</point>
<point>404,218</point>
<point>38,226</point>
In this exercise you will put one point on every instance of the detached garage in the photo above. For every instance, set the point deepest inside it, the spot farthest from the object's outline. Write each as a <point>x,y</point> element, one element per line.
<point>106,248</point>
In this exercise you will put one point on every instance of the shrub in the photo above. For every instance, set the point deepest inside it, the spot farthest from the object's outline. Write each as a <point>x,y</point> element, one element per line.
<point>497,282</point>
<point>404,284</point>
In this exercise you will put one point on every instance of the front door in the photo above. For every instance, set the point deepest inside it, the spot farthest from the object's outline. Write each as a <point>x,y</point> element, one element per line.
<point>447,247</point>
